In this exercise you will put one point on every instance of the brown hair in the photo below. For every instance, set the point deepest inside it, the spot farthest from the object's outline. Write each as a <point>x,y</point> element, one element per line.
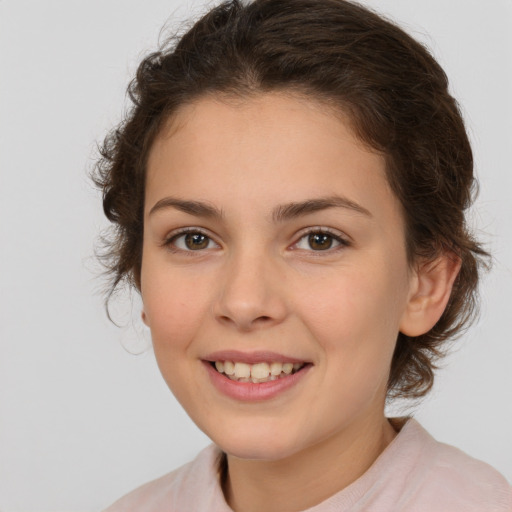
<point>396,97</point>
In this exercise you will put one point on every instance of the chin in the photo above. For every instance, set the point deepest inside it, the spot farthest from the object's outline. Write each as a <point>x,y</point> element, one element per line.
<point>258,444</point>
<point>262,452</point>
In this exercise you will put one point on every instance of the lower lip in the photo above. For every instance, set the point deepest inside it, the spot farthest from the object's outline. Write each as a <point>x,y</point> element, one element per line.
<point>254,392</point>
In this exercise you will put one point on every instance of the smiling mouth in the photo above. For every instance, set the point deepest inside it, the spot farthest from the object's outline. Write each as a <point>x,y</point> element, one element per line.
<point>256,373</point>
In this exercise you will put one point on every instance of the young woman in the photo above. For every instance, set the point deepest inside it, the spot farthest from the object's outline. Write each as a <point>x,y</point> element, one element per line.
<point>288,193</point>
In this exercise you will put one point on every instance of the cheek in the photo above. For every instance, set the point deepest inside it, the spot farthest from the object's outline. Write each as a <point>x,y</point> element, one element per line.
<point>174,307</point>
<point>174,303</point>
<point>355,323</point>
<point>356,314</point>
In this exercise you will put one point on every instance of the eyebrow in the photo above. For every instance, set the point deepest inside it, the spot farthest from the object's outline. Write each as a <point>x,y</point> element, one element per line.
<point>300,208</point>
<point>280,213</point>
<point>196,208</point>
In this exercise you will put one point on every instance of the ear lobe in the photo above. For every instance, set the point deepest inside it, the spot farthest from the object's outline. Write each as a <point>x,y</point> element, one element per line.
<point>431,292</point>
<point>144,318</point>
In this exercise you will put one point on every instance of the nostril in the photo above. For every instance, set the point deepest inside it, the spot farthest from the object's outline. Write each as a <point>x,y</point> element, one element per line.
<point>246,324</point>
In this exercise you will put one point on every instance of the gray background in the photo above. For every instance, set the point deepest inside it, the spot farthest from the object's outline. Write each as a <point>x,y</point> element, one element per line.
<point>81,420</point>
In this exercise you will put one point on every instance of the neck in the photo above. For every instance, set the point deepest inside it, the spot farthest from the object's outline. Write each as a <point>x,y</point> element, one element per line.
<point>309,477</point>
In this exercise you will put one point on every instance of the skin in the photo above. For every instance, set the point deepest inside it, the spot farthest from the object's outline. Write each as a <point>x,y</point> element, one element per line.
<point>258,284</point>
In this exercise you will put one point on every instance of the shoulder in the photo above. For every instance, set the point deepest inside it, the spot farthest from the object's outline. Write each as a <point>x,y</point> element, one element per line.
<point>177,490</point>
<point>448,479</point>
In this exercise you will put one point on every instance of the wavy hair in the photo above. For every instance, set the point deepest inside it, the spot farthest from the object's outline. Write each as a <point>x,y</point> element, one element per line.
<point>394,93</point>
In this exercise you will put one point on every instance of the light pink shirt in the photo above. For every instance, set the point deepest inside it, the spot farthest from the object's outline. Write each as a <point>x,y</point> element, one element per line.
<point>415,473</point>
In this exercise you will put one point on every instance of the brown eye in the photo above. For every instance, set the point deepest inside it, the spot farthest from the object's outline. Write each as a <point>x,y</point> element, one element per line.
<point>320,241</point>
<point>196,241</point>
<point>190,241</point>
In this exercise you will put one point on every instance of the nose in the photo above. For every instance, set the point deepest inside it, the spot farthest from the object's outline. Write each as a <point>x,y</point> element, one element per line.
<point>252,293</point>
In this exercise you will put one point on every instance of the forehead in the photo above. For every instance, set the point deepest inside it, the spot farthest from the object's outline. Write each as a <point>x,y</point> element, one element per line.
<point>262,149</point>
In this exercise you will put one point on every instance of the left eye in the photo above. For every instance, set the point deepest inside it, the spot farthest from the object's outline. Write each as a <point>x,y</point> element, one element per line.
<point>193,241</point>
<point>319,241</point>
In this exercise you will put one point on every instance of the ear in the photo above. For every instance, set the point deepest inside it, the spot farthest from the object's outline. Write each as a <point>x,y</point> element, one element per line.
<point>431,287</point>
<point>144,318</point>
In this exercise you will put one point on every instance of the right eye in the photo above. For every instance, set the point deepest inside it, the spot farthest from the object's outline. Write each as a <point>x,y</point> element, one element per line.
<point>190,241</point>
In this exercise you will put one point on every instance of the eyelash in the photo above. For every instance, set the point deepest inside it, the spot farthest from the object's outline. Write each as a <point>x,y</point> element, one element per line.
<point>336,237</point>
<point>169,241</point>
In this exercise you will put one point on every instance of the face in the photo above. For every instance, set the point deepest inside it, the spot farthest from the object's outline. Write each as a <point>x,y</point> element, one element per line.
<point>273,246</point>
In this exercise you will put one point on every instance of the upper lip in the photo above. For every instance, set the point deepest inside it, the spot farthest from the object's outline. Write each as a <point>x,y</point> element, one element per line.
<point>258,356</point>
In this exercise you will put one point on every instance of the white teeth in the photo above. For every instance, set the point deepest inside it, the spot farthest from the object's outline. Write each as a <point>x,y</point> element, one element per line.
<point>258,372</point>
<point>276,368</point>
<point>287,368</point>
<point>229,367</point>
<point>242,370</point>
